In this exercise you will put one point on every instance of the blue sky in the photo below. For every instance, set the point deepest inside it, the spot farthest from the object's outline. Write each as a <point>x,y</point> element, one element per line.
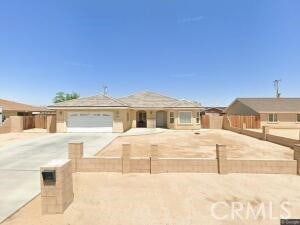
<point>209,51</point>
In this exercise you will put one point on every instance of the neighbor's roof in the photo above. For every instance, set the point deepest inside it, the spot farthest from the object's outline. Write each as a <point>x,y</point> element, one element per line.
<point>149,99</point>
<point>261,105</point>
<point>20,107</point>
<point>94,101</point>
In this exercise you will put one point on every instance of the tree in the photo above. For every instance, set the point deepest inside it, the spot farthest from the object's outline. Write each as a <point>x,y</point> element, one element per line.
<point>62,96</point>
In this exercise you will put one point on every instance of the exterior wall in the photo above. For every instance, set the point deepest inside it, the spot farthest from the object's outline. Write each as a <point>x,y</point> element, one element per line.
<point>120,122</point>
<point>7,114</point>
<point>151,119</point>
<point>16,123</point>
<point>179,126</point>
<point>237,108</point>
<point>285,120</point>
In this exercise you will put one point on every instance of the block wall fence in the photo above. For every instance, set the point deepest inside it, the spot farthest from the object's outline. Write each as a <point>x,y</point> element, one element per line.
<point>265,135</point>
<point>57,197</point>
<point>154,164</point>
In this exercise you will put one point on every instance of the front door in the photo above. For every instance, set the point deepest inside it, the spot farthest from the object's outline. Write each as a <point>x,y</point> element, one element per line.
<point>161,119</point>
<point>141,119</point>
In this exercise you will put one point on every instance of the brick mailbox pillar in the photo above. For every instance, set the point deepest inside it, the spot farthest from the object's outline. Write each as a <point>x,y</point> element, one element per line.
<point>297,157</point>
<point>126,149</point>
<point>75,150</point>
<point>154,165</point>
<point>56,186</point>
<point>266,131</point>
<point>222,159</point>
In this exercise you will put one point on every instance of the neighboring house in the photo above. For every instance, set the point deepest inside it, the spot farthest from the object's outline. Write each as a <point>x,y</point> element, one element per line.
<point>106,114</point>
<point>274,112</point>
<point>213,111</point>
<point>10,108</point>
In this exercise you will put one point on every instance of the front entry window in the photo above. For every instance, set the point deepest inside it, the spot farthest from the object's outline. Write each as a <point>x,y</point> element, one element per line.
<point>185,117</point>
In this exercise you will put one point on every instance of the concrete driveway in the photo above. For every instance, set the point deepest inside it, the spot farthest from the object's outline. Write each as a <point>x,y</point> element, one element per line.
<point>20,164</point>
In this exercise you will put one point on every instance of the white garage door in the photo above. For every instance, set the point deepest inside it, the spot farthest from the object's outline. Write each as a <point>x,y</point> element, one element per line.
<point>90,122</point>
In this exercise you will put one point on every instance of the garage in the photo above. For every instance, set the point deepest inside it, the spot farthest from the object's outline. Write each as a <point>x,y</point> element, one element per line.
<point>90,122</point>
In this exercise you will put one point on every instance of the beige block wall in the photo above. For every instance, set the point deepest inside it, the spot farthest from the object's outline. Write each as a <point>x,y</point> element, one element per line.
<point>57,197</point>
<point>185,165</point>
<point>262,166</point>
<point>285,120</point>
<point>5,128</point>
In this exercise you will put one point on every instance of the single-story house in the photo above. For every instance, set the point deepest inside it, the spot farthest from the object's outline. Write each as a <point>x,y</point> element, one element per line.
<point>102,113</point>
<point>273,112</point>
<point>213,111</point>
<point>10,108</point>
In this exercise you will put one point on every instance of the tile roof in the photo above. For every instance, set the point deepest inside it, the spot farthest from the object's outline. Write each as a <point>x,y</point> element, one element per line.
<point>291,105</point>
<point>149,99</point>
<point>93,101</point>
<point>140,100</point>
<point>20,107</point>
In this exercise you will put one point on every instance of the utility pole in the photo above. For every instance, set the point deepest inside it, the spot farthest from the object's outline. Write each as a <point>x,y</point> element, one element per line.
<point>105,90</point>
<point>276,86</point>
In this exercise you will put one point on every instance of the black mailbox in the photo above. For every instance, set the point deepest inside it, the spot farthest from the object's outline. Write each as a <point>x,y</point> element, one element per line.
<point>49,177</point>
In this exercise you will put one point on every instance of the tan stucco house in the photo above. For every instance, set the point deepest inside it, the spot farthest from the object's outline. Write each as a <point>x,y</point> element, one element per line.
<point>273,112</point>
<point>103,113</point>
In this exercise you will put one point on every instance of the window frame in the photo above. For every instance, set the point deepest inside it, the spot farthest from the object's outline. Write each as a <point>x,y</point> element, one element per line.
<point>190,112</point>
<point>274,115</point>
<point>198,117</point>
<point>171,117</point>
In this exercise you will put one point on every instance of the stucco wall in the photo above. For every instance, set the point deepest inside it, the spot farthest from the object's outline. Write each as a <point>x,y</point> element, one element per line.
<point>285,120</point>
<point>151,119</point>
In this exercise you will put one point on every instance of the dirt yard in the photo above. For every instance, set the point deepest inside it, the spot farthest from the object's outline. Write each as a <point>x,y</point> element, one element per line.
<point>175,199</point>
<point>188,144</point>
<point>289,133</point>
<point>12,138</point>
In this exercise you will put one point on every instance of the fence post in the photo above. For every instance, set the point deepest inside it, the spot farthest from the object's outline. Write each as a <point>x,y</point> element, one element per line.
<point>266,131</point>
<point>222,158</point>
<point>297,157</point>
<point>154,165</point>
<point>75,150</point>
<point>126,149</point>
<point>56,186</point>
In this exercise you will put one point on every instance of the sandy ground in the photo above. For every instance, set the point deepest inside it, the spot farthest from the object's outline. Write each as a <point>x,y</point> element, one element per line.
<point>175,199</point>
<point>188,144</point>
<point>12,138</point>
<point>288,133</point>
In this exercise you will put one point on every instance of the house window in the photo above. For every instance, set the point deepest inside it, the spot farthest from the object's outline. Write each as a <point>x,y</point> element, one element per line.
<point>273,118</point>
<point>172,117</point>
<point>185,117</point>
<point>198,117</point>
<point>298,118</point>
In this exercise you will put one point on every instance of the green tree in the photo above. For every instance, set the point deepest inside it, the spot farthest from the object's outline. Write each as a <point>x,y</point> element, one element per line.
<point>62,96</point>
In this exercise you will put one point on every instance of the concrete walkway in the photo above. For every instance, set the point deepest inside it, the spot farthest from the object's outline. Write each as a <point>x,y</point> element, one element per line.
<point>143,131</point>
<point>20,164</point>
